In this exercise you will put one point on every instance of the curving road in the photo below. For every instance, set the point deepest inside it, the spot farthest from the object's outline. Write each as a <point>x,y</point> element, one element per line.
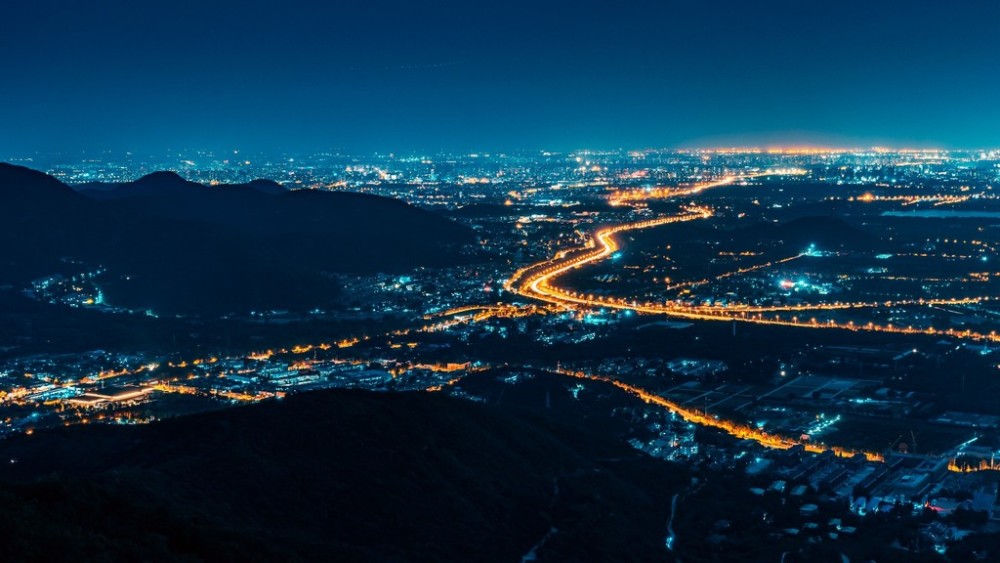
<point>538,281</point>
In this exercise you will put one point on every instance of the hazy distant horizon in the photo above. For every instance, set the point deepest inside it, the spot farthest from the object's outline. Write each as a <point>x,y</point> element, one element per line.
<point>722,144</point>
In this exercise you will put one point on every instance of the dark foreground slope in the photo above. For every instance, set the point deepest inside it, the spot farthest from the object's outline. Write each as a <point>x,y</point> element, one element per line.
<point>332,476</point>
<point>175,246</point>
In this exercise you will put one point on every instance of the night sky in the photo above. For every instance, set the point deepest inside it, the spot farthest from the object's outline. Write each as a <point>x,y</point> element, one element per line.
<point>378,75</point>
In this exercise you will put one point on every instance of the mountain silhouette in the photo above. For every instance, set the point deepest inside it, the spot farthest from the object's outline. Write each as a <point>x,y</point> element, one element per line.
<point>168,183</point>
<point>20,186</point>
<point>176,246</point>
<point>337,476</point>
<point>265,186</point>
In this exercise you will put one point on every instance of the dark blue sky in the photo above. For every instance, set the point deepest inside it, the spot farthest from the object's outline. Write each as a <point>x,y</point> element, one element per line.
<point>377,75</point>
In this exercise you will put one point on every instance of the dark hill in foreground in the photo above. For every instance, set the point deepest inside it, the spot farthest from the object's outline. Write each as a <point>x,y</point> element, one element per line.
<point>345,476</point>
<point>177,246</point>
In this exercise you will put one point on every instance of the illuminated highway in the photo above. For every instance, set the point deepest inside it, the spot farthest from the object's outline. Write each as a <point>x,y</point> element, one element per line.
<point>623,197</point>
<point>538,281</point>
<point>535,279</point>
<point>736,429</point>
<point>934,199</point>
<point>633,196</point>
<point>701,418</point>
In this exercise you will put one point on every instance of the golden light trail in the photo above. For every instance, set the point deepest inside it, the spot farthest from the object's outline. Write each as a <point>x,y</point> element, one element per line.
<point>623,197</point>
<point>735,429</point>
<point>907,199</point>
<point>701,418</point>
<point>605,247</point>
<point>537,281</point>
